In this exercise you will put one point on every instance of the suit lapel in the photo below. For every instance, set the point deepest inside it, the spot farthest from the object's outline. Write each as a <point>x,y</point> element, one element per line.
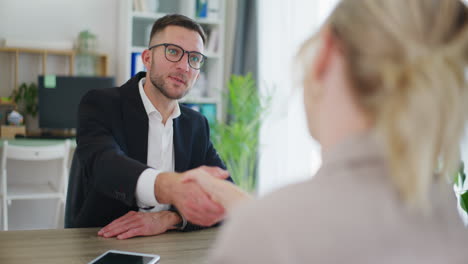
<point>182,144</point>
<point>135,125</point>
<point>135,120</point>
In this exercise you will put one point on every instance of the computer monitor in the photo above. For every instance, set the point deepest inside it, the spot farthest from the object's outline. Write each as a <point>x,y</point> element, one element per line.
<point>59,97</point>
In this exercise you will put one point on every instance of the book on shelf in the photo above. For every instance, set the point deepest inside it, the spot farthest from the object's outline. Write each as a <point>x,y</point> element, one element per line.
<point>206,109</point>
<point>209,111</point>
<point>136,5</point>
<point>213,40</point>
<point>207,9</point>
<point>140,5</point>
<point>201,8</point>
<point>137,64</point>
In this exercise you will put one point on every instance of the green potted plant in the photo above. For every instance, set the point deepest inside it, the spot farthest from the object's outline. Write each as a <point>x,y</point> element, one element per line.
<point>461,191</point>
<point>26,99</point>
<point>237,140</point>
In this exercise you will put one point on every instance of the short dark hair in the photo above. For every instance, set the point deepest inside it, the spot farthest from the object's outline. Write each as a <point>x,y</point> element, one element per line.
<point>177,20</point>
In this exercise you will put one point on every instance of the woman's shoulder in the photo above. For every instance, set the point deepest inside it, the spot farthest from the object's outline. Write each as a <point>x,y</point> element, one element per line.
<point>258,227</point>
<point>295,204</point>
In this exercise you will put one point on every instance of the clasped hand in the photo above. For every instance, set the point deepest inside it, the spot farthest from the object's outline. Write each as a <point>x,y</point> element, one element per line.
<point>193,202</point>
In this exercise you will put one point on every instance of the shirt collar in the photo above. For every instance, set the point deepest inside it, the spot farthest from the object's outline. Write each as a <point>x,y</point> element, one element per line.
<point>149,107</point>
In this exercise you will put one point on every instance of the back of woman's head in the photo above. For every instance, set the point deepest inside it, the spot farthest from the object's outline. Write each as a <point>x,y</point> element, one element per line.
<point>406,62</point>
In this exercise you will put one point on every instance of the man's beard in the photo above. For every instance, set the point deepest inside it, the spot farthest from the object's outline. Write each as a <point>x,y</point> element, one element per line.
<point>159,83</point>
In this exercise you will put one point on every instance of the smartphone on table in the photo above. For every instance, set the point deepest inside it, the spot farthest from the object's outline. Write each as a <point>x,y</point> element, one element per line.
<point>125,257</point>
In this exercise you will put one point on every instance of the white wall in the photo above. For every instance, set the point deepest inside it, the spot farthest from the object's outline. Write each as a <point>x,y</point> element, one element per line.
<point>288,154</point>
<point>54,20</point>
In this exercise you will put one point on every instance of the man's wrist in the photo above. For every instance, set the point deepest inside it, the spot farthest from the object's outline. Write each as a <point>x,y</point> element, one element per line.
<point>163,187</point>
<point>176,221</point>
<point>181,224</point>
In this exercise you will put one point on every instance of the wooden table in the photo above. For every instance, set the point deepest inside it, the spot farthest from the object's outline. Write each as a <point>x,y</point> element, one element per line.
<point>81,245</point>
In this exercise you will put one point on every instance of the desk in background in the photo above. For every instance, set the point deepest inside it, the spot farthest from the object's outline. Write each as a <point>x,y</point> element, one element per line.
<point>37,142</point>
<point>81,245</point>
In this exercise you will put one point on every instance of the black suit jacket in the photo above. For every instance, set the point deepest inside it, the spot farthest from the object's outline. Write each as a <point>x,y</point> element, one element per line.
<point>112,149</point>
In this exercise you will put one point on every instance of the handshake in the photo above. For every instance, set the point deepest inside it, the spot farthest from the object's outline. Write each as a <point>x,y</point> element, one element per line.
<point>202,196</point>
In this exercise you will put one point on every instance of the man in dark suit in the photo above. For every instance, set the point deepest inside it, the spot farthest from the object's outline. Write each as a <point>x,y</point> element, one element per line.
<point>135,143</point>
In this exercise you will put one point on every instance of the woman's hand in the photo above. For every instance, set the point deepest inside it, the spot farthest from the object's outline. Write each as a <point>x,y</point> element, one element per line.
<point>221,191</point>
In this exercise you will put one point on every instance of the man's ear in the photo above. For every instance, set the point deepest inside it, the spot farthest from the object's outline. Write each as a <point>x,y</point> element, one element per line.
<point>325,51</point>
<point>146,57</point>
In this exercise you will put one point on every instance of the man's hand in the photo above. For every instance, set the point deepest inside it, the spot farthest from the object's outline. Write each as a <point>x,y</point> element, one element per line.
<point>140,224</point>
<point>189,198</point>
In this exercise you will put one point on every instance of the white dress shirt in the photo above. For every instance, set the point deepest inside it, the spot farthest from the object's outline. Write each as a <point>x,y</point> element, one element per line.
<point>160,153</point>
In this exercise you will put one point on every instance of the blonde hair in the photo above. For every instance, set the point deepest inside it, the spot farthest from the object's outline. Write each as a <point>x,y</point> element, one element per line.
<point>407,61</point>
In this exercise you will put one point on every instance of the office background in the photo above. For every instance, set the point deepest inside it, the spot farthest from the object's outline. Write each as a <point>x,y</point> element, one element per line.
<point>260,37</point>
<point>54,24</point>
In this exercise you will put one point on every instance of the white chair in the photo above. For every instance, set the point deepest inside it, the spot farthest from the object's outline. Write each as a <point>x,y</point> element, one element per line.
<point>49,190</point>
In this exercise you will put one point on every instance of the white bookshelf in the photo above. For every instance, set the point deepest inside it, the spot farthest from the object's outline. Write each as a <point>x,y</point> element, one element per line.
<point>134,29</point>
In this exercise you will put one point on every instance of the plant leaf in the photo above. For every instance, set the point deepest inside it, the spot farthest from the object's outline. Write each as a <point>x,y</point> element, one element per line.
<point>237,141</point>
<point>464,201</point>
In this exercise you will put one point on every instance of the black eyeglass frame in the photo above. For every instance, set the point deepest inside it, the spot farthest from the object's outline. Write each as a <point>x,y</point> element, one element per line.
<point>183,54</point>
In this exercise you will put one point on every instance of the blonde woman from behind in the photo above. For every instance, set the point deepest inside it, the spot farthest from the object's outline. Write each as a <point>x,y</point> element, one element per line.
<point>387,98</point>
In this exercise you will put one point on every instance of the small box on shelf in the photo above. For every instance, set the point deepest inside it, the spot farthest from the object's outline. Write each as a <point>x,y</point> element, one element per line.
<point>9,132</point>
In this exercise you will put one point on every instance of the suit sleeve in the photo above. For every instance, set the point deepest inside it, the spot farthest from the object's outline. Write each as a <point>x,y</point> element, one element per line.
<point>212,158</point>
<point>111,172</point>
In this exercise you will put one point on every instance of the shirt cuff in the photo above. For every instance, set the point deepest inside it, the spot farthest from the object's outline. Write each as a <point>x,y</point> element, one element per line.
<point>145,189</point>
<point>184,222</point>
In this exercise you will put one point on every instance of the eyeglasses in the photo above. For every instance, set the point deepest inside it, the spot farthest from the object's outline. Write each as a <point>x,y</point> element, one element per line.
<point>175,53</point>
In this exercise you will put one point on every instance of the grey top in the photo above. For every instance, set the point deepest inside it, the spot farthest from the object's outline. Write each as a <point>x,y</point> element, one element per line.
<point>348,213</point>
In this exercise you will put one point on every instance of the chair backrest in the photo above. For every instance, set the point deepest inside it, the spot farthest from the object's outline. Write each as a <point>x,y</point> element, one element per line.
<point>58,152</point>
<point>36,152</point>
